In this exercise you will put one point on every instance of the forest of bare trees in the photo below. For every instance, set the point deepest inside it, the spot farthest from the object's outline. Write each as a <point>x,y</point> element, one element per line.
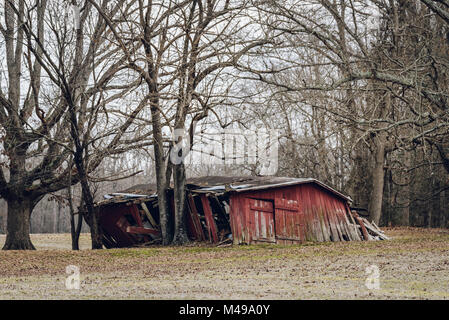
<point>96,95</point>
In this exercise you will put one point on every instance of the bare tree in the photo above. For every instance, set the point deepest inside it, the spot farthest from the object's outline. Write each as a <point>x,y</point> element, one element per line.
<point>185,47</point>
<point>71,75</point>
<point>383,79</point>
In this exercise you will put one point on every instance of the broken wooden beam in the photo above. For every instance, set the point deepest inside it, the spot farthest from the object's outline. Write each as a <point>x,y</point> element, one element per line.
<point>198,229</point>
<point>212,228</point>
<point>373,230</point>
<point>148,214</point>
<point>377,228</point>
<point>362,225</point>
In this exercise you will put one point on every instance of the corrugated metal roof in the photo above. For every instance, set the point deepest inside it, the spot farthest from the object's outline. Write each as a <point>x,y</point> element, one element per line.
<point>220,184</point>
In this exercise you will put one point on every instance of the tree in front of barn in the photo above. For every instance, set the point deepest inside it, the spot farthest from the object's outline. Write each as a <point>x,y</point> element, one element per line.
<point>186,54</point>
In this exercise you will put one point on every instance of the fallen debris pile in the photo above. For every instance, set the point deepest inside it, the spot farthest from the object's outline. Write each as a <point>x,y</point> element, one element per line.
<point>368,230</point>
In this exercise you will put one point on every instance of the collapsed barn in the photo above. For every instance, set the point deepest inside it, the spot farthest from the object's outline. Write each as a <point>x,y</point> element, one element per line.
<point>238,210</point>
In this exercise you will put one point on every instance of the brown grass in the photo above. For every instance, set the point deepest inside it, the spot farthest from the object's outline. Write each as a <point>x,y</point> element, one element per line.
<point>413,265</point>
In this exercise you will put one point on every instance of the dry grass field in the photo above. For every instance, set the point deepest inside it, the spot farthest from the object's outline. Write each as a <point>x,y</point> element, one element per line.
<point>413,265</point>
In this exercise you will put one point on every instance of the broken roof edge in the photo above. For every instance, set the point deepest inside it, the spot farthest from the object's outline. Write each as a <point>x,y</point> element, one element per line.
<point>292,183</point>
<point>114,198</point>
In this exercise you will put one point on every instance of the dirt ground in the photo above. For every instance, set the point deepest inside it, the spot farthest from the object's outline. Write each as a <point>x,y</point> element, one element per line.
<point>413,265</point>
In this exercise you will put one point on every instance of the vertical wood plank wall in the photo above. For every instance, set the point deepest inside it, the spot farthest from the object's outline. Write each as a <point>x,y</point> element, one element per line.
<point>321,215</point>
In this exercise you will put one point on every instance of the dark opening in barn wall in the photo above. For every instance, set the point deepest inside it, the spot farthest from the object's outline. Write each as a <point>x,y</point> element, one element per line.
<point>239,210</point>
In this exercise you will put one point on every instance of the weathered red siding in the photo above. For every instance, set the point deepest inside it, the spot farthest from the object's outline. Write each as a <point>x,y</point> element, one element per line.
<point>305,212</point>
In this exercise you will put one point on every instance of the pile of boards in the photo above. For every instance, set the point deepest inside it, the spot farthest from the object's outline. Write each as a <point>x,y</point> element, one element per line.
<point>368,230</point>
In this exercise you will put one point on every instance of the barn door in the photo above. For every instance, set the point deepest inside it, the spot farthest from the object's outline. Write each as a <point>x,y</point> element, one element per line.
<point>261,220</point>
<point>289,220</point>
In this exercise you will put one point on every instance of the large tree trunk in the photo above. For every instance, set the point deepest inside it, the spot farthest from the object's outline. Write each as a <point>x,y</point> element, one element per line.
<point>18,227</point>
<point>179,181</point>
<point>80,161</point>
<point>359,183</point>
<point>88,198</point>
<point>404,192</point>
<point>162,167</point>
<point>162,176</point>
<point>375,204</point>
<point>404,212</point>
<point>162,179</point>
<point>95,231</point>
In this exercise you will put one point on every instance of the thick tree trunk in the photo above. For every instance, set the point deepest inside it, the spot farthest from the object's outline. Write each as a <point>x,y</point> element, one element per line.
<point>404,192</point>
<point>163,169</point>
<point>88,199</point>
<point>404,213</point>
<point>179,180</point>
<point>79,160</point>
<point>18,227</point>
<point>359,182</point>
<point>162,182</point>
<point>95,232</point>
<point>375,204</point>
<point>166,230</point>
<point>92,211</point>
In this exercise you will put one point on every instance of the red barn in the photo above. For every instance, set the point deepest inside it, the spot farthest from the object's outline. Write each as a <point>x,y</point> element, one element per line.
<point>242,210</point>
<point>290,210</point>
